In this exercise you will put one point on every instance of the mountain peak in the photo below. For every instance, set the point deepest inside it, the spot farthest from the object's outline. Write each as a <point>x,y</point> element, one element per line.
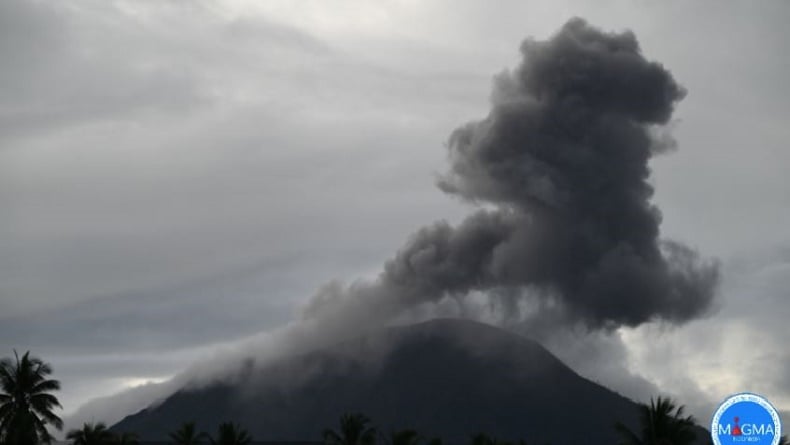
<point>446,377</point>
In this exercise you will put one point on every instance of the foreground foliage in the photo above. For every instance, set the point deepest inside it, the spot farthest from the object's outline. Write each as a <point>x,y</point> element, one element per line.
<point>231,434</point>
<point>26,402</point>
<point>354,430</point>
<point>662,423</point>
<point>91,434</point>
<point>188,434</point>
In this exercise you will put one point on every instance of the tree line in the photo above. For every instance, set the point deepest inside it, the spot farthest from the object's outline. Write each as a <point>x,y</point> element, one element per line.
<point>27,409</point>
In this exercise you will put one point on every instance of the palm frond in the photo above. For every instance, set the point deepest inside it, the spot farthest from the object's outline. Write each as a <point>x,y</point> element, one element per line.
<point>25,402</point>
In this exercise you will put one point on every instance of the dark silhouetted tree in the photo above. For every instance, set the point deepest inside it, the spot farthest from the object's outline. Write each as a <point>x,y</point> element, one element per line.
<point>661,423</point>
<point>187,434</point>
<point>354,430</point>
<point>403,437</point>
<point>231,434</point>
<point>127,438</point>
<point>91,434</point>
<point>26,402</point>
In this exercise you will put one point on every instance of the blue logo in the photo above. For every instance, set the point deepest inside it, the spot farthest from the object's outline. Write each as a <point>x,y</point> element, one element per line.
<point>746,419</point>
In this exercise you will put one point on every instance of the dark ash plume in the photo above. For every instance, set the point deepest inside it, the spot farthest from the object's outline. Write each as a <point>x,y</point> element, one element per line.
<point>562,163</point>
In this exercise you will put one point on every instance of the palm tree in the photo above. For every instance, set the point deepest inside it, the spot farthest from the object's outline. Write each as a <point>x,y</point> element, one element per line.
<point>91,434</point>
<point>126,438</point>
<point>662,423</point>
<point>404,437</point>
<point>187,435</point>
<point>353,431</point>
<point>25,401</point>
<point>231,434</point>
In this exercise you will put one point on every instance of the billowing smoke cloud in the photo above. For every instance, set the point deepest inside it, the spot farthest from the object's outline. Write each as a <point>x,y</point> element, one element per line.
<point>560,169</point>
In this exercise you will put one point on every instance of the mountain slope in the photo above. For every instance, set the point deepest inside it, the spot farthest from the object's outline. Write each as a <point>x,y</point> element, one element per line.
<point>447,378</point>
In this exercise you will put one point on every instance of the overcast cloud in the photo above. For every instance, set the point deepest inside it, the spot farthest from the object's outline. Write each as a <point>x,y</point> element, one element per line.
<point>176,176</point>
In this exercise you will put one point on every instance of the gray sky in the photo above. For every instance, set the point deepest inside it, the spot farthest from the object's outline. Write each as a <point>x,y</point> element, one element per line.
<point>180,175</point>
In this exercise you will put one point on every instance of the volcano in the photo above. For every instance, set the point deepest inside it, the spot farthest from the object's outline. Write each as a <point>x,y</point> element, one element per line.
<point>444,378</point>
